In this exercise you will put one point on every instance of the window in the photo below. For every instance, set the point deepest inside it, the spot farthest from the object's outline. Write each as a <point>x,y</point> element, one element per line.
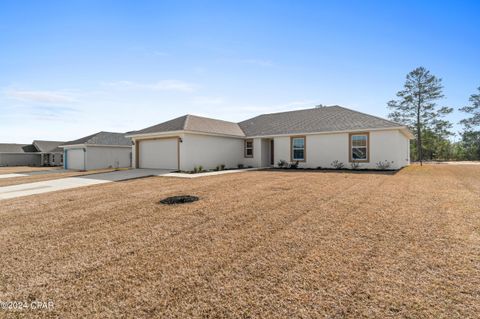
<point>248,148</point>
<point>359,147</point>
<point>298,150</point>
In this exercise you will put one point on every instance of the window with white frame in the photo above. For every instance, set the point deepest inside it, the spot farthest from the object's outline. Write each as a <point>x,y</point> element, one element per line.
<point>298,148</point>
<point>248,148</point>
<point>359,144</point>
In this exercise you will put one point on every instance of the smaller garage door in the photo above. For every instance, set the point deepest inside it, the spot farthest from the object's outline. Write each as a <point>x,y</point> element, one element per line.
<point>75,159</point>
<point>158,154</point>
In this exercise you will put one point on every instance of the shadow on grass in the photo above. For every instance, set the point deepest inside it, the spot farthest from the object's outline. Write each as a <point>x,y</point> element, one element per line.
<point>336,171</point>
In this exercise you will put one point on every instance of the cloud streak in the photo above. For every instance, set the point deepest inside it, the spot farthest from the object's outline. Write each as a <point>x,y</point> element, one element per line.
<point>164,85</point>
<point>53,97</point>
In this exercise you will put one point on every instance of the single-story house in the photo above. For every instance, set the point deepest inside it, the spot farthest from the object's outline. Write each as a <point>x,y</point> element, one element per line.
<point>50,152</point>
<point>39,153</point>
<point>97,151</point>
<point>19,155</point>
<point>318,137</point>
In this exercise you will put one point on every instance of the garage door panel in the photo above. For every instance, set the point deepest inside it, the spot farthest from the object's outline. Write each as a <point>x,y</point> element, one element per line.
<point>76,159</point>
<point>158,154</point>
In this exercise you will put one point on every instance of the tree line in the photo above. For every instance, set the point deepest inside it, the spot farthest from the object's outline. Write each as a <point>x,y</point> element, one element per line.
<point>417,107</point>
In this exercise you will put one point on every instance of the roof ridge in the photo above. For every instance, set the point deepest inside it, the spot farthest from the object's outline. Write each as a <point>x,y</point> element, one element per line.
<point>210,118</point>
<point>185,122</point>
<point>292,111</point>
<point>375,116</point>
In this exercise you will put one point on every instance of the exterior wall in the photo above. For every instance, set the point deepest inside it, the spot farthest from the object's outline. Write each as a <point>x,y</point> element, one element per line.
<point>210,151</point>
<point>99,157</point>
<point>256,160</point>
<point>20,159</point>
<point>323,149</point>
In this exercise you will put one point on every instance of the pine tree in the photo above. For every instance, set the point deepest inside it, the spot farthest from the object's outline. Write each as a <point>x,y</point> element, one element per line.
<point>416,105</point>
<point>473,110</point>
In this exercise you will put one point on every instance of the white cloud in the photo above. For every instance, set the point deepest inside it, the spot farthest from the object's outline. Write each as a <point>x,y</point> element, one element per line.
<point>39,96</point>
<point>164,85</point>
<point>206,100</point>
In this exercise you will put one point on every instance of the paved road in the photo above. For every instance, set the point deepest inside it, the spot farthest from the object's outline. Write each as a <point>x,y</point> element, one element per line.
<point>74,182</point>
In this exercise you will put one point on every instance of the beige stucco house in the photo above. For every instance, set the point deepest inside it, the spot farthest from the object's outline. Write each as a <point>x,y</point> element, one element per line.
<point>312,137</point>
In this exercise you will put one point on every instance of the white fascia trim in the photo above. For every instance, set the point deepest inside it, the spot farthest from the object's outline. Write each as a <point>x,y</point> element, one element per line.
<point>177,133</point>
<point>401,128</point>
<point>93,145</point>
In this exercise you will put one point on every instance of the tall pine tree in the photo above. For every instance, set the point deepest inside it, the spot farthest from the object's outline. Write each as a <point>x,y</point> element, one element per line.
<point>416,104</point>
<point>471,133</point>
<point>474,110</point>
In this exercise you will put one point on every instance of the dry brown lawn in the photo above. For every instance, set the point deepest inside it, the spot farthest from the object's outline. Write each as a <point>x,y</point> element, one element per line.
<point>257,245</point>
<point>46,177</point>
<point>22,169</point>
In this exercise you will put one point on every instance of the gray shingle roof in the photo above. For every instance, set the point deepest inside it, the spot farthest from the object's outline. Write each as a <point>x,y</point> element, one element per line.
<point>102,138</point>
<point>322,119</point>
<point>47,146</point>
<point>316,120</point>
<point>195,123</point>
<point>16,148</point>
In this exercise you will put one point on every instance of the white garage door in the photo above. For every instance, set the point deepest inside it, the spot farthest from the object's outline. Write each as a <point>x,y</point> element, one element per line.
<point>75,159</point>
<point>161,153</point>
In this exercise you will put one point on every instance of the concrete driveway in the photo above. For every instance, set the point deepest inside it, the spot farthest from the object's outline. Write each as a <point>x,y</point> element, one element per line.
<point>74,182</point>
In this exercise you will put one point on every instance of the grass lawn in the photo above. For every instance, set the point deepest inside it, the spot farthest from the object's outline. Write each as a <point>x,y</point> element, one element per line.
<point>257,244</point>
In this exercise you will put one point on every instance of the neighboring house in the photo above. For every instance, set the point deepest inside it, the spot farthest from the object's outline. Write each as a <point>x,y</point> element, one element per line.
<point>50,152</point>
<point>19,155</point>
<point>39,153</point>
<point>96,151</point>
<point>314,137</point>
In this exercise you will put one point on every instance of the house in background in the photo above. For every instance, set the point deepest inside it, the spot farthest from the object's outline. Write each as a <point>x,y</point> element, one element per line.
<point>97,151</point>
<point>312,137</point>
<point>19,155</point>
<point>50,152</point>
<point>39,153</point>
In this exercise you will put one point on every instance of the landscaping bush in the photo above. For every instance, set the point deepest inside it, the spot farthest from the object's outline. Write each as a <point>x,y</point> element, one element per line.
<point>383,165</point>
<point>355,165</point>
<point>282,164</point>
<point>240,166</point>
<point>293,165</point>
<point>337,164</point>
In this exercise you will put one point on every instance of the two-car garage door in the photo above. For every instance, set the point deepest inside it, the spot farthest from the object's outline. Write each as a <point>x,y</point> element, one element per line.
<point>158,153</point>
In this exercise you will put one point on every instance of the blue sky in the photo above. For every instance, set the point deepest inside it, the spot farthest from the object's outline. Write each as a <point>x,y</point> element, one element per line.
<point>72,68</point>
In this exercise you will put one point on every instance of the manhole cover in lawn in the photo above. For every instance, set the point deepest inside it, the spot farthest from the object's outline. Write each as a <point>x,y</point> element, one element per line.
<point>179,199</point>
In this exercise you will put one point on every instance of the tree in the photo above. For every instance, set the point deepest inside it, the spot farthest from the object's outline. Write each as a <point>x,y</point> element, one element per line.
<point>416,105</point>
<point>473,110</point>
<point>471,132</point>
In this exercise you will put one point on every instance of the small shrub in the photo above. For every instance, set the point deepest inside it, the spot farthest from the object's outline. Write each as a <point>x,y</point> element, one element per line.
<point>383,165</point>
<point>240,166</point>
<point>222,167</point>
<point>282,164</point>
<point>355,165</point>
<point>319,167</point>
<point>198,169</point>
<point>293,165</point>
<point>337,164</point>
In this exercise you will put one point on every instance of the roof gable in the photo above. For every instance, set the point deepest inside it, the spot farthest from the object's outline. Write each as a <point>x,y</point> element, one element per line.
<point>47,146</point>
<point>102,138</point>
<point>16,148</point>
<point>196,124</point>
